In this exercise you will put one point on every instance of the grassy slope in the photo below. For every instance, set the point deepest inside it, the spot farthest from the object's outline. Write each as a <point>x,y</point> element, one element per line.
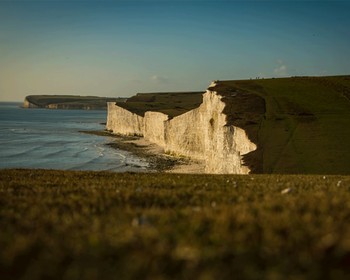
<point>170,103</point>
<point>306,128</point>
<point>99,225</point>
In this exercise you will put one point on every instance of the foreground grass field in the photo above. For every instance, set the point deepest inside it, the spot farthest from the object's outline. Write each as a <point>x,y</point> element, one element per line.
<point>98,225</point>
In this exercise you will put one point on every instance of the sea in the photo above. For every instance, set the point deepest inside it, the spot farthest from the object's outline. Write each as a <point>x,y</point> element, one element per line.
<point>52,139</point>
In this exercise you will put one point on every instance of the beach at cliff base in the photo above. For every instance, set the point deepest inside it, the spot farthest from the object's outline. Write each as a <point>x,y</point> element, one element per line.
<point>158,159</point>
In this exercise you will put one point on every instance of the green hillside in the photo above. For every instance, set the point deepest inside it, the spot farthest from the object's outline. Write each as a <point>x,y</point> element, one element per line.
<point>170,103</point>
<point>301,124</point>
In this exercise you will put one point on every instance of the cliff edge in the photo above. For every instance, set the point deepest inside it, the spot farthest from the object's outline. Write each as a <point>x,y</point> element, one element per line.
<point>297,125</point>
<point>203,133</point>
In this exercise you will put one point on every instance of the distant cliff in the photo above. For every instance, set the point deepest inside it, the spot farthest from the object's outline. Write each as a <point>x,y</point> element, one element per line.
<point>68,102</point>
<point>297,125</point>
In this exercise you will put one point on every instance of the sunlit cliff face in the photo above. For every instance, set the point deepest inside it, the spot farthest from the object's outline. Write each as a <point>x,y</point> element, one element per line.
<point>200,134</point>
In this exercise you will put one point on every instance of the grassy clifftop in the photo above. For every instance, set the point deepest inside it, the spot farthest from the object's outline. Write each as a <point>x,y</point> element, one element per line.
<point>170,103</point>
<point>301,124</point>
<point>68,101</point>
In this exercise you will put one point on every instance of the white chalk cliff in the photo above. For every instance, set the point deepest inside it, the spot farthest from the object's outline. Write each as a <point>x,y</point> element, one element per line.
<point>202,133</point>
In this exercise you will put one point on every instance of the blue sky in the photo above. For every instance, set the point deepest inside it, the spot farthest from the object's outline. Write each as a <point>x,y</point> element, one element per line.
<point>118,48</point>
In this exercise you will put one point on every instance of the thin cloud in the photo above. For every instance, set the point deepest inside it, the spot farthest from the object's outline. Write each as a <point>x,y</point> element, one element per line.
<point>159,79</point>
<point>281,70</point>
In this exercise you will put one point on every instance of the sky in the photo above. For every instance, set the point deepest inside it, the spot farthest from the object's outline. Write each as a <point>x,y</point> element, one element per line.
<point>119,48</point>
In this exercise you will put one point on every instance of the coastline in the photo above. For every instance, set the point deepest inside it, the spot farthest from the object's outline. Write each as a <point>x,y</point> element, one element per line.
<point>158,160</point>
<point>50,139</point>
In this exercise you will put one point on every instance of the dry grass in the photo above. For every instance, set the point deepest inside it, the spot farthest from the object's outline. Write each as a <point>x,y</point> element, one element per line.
<point>98,225</point>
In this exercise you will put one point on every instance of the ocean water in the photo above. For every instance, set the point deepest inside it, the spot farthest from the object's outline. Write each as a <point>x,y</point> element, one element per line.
<point>50,139</point>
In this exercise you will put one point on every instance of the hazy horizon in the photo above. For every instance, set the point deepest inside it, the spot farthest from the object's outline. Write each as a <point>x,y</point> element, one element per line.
<point>119,48</point>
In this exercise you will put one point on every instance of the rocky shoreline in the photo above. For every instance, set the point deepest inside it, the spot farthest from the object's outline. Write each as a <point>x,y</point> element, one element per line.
<point>158,160</point>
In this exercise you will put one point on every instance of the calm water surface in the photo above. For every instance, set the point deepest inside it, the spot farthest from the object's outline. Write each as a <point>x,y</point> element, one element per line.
<point>50,139</point>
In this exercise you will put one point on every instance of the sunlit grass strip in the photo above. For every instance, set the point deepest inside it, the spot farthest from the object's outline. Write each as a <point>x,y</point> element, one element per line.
<point>95,225</point>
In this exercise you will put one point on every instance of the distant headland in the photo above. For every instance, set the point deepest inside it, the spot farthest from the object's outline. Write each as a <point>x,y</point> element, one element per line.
<point>69,102</point>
